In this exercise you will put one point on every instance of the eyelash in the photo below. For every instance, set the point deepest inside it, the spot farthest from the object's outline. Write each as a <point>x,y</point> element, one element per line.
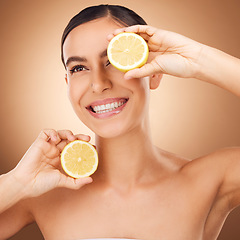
<point>108,63</point>
<point>77,68</point>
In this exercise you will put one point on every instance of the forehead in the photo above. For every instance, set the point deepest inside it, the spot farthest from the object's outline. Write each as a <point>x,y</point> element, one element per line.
<point>89,38</point>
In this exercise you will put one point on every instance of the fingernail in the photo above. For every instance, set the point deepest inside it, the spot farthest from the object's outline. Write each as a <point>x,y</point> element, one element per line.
<point>87,138</point>
<point>72,138</point>
<point>127,77</point>
<point>89,180</point>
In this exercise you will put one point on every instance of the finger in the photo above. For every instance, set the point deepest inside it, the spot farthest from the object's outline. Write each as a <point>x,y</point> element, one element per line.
<point>43,136</point>
<point>66,135</point>
<point>83,137</point>
<point>62,145</point>
<point>146,70</point>
<point>116,32</point>
<point>62,135</point>
<point>48,134</point>
<point>73,183</point>
<point>144,30</point>
<point>46,148</point>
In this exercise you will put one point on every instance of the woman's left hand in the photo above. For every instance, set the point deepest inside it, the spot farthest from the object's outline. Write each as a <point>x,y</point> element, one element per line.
<point>173,53</point>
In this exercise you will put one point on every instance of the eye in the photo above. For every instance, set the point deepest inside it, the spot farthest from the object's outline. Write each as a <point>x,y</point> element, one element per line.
<point>78,68</point>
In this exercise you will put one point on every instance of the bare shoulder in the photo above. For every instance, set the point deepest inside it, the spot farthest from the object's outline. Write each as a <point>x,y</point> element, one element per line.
<point>209,168</point>
<point>216,163</point>
<point>217,172</point>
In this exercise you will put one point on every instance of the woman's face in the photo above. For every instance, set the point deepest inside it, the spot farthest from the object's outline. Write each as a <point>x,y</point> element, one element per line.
<point>102,99</point>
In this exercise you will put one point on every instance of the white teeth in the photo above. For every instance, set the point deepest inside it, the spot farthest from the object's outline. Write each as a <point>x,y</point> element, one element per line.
<point>108,107</point>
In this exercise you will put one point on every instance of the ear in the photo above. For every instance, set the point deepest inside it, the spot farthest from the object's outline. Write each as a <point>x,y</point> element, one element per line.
<point>155,80</point>
<point>66,78</point>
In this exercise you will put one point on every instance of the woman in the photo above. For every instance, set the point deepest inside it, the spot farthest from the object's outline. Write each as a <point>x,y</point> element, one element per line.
<point>139,191</point>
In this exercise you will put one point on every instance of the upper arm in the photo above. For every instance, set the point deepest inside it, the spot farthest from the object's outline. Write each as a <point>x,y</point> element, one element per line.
<point>14,219</point>
<point>230,188</point>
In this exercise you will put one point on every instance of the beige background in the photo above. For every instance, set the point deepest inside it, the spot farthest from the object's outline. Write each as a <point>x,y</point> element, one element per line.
<point>188,117</point>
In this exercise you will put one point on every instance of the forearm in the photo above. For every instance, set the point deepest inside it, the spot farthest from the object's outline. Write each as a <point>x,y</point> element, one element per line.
<point>11,191</point>
<point>220,69</point>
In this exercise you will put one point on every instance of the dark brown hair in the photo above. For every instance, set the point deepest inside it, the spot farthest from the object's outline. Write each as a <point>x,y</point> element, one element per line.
<point>123,15</point>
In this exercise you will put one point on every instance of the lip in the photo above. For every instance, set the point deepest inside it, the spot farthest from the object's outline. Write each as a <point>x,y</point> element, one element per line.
<point>101,115</point>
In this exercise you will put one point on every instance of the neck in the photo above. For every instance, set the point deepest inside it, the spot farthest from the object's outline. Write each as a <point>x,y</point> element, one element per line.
<point>128,159</point>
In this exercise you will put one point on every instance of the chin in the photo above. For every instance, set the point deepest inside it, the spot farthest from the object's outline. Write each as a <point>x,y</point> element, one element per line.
<point>114,128</point>
<point>110,132</point>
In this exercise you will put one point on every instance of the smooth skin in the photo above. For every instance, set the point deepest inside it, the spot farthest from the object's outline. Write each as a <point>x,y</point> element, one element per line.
<point>139,191</point>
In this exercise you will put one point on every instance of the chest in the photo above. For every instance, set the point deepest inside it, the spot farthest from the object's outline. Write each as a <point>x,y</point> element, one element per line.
<point>145,214</point>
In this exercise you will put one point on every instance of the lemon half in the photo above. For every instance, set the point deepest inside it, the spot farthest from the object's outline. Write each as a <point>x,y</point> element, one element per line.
<point>127,51</point>
<point>79,159</point>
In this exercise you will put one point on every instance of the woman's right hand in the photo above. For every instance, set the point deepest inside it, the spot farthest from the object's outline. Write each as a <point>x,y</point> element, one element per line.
<point>39,171</point>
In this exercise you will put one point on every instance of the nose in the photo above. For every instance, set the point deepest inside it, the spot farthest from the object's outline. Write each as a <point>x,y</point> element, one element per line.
<point>100,81</point>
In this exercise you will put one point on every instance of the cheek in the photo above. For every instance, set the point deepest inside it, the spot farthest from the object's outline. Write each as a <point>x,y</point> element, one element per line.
<point>140,87</point>
<point>143,95</point>
<point>76,90</point>
<point>115,76</point>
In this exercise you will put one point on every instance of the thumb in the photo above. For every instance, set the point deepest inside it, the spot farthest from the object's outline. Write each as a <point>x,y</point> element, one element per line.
<point>146,70</point>
<point>73,183</point>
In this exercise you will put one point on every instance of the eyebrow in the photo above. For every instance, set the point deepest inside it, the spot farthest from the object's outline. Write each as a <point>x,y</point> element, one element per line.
<point>83,59</point>
<point>103,54</point>
<point>75,59</point>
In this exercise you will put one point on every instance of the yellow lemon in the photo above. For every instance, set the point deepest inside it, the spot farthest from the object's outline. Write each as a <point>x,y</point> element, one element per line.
<point>79,159</point>
<point>127,51</point>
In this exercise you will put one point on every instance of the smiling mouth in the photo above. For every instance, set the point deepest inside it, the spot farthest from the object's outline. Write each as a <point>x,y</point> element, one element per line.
<point>113,106</point>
